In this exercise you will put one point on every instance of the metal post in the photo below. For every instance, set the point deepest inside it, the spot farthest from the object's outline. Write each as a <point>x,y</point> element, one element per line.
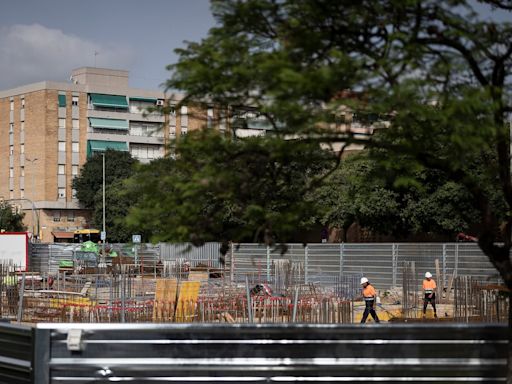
<point>232,265</point>
<point>41,355</point>
<point>123,294</point>
<point>20,302</point>
<point>306,257</point>
<point>268,264</point>
<point>444,266</point>
<point>342,249</point>
<point>295,302</point>
<point>456,266</point>
<point>394,251</point>
<point>105,239</point>
<point>249,305</point>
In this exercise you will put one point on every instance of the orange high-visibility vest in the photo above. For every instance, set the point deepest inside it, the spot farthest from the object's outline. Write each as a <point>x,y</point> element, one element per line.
<point>429,286</point>
<point>369,292</point>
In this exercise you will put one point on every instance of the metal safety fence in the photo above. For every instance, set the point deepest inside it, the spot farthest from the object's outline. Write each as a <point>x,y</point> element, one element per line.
<point>318,263</point>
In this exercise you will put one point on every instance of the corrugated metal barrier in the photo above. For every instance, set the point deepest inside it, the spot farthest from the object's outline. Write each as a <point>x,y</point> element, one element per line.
<point>220,353</point>
<point>16,354</point>
<point>318,262</point>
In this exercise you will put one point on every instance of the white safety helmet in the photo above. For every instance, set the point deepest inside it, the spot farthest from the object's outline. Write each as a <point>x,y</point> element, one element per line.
<point>363,280</point>
<point>428,275</point>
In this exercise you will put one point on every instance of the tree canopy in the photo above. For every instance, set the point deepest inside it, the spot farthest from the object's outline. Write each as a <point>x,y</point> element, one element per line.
<point>363,191</point>
<point>89,188</point>
<point>437,70</point>
<point>221,189</point>
<point>10,220</point>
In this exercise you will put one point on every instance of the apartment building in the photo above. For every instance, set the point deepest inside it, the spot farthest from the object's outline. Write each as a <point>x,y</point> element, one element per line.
<point>49,129</point>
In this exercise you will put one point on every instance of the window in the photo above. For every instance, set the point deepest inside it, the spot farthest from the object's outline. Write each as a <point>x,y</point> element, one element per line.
<point>144,128</point>
<point>62,101</point>
<point>73,195</point>
<point>184,130</point>
<point>22,193</point>
<point>209,118</point>
<point>22,171</point>
<point>11,172</point>
<point>56,216</point>
<point>172,131</point>
<point>22,102</point>
<point>11,194</point>
<point>11,127</point>
<point>22,126</point>
<point>62,194</point>
<point>184,116</point>
<point>74,101</point>
<point>76,124</point>
<point>62,123</point>
<point>11,107</point>
<point>172,121</point>
<point>222,120</point>
<point>62,146</point>
<point>142,151</point>
<point>11,150</point>
<point>62,169</point>
<point>74,170</point>
<point>71,216</point>
<point>140,106</point>
<point>75,147</point>
<point>22,148</point>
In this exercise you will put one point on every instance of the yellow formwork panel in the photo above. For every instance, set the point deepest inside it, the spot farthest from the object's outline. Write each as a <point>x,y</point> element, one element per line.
<point>187,301</point>
<point>79,302</point>
<point>165,298</point>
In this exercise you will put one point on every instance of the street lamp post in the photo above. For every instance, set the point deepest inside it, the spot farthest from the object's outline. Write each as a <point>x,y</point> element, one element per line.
<point>33,191</point>
<point>104,230</point>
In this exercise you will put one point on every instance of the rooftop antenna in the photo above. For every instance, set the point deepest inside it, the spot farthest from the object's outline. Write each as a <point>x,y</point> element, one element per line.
<point>96,53</point>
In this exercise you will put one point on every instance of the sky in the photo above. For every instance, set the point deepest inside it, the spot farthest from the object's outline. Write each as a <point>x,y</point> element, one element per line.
<point>45,39</point>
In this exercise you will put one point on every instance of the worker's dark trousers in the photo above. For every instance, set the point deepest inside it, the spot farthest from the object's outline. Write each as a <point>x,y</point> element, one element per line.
<point>369,310</point>
<point>431,300</point>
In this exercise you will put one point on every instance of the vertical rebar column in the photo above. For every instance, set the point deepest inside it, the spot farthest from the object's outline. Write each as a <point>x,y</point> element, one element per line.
<point>249,304</point>
<point>295,302</point>
<point>123,294</point>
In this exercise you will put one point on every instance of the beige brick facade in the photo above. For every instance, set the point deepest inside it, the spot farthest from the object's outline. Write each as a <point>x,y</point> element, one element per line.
<point>30,157</point>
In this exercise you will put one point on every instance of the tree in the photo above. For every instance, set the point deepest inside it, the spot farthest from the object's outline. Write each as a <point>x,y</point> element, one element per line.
<point>10,220</point>
<point>89,187</point>
<point>362,191</point>
<point>222,189</point>
<point>442,73</point>
<point>117,205</point>
<point>439,70</point>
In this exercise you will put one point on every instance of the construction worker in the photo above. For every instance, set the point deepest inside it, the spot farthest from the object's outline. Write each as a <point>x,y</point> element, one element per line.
<point>369,296</point>
<point>429,286</point>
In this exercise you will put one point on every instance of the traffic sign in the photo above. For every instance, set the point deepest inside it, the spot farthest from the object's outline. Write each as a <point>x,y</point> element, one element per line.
<point>136,238</point>
<point>103,235</point>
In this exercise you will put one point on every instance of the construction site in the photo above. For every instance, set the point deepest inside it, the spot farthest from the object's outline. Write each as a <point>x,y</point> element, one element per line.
<point>92,285</point>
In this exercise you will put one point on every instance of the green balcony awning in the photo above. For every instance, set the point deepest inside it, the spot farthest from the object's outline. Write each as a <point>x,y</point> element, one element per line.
<point>94,146</point>
<point>146,99</point>
<point>62,100</point>
<point>118,124</point>
<point>109,101</point>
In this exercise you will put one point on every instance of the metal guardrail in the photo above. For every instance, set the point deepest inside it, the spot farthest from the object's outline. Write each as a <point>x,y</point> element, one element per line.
<point>271,353</point>
<point>15,354</point>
